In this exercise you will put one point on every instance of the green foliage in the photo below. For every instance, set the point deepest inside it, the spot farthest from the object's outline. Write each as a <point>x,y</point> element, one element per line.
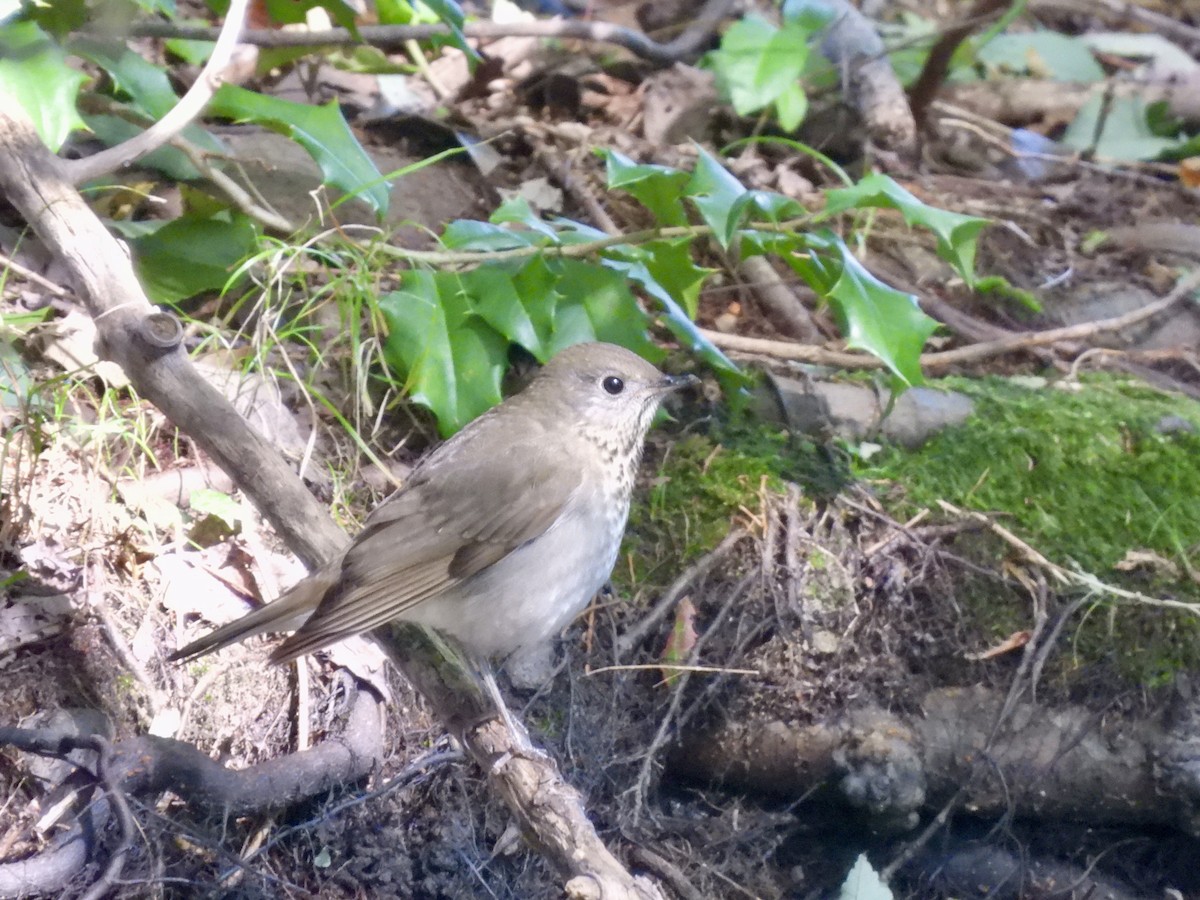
<point>143,91</point>
<point>956,234</point>
<point>1042,54</point>
<point>448,332</point>
<point>16,384</point>
<point>1083,475</point>
<point>1126,131</point>
<point>209,502</point>
<point>541,284</point>
<point>186,256</point>
<point>321,130</point>
<point>1113,128</point>
<point>35,76</point>
<point>880,319</point>
<point>758,65</point>
<point>413,12</point>
<point>295,11</point>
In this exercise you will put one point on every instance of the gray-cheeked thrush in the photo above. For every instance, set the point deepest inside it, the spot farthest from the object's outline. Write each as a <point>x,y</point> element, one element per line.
<point>503,534</point>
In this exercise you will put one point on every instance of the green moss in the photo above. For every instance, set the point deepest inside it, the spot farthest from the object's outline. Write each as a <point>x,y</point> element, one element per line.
<point>1084,476</point>
<point>706,481</point>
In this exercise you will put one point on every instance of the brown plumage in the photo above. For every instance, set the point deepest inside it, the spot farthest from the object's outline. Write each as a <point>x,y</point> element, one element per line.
<point>503,534</point>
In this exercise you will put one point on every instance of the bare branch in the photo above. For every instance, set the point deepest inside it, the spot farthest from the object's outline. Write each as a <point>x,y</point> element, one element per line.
<point>190,105</point>
<point>393,37</point>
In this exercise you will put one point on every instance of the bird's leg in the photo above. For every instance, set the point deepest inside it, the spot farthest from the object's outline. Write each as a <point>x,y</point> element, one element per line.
<point>493,689</point>
<point>523,745</point>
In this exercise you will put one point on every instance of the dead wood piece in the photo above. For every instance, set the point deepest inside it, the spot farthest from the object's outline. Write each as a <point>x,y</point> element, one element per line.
<point>770,758</point>
<point>779,302</point>
<point>869,81</point>
<point>53,870</point>
<point>1170,237</point>
<point>147,765</point>
<point>1053,763</point>
<point>49,872</point>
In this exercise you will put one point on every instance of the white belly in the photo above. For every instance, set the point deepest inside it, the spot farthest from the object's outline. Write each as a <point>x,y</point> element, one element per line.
<point>529,595</point>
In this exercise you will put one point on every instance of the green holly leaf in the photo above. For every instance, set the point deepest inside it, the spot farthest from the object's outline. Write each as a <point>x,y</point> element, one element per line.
<point>675,318</point>
<point>956,234</point>
<point>596,305</point>
<point>714,190</point>
<point>658,188</point>
<point>34,76</point>
<point>516,210</point>
<point>880,319</point>
<point>764,206</point>
<point>468,234</point>
<point>498,299</point>
<point>451,360</point>
<point>188,256</point>
<point>321,130</point>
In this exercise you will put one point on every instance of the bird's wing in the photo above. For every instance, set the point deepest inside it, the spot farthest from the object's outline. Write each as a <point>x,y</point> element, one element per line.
<point>443,527</point>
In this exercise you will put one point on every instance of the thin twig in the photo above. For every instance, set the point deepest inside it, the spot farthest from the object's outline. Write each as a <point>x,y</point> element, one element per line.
<point>405,776</point>
<point>182,114</point>
<point>30,275</point>
<point>387,37</point>
<point>699,569</point>
<point>1067,576</point>
<point>669,719</point>
<point>235,193</point>
<point>959,355</point>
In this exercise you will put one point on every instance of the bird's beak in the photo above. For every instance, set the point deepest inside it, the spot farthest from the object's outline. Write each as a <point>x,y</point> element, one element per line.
<point>671,383</point>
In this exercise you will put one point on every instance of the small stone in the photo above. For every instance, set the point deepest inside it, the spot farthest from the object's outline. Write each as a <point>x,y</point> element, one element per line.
<point>726,323</point>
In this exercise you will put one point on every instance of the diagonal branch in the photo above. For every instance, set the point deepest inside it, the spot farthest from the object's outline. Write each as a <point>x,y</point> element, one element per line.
<point>182,114</point>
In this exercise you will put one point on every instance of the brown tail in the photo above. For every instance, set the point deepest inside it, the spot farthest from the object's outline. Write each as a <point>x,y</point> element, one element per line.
<point>286,613</point>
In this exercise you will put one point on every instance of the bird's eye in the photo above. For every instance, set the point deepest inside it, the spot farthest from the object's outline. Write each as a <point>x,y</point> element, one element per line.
<point>613,385</point>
